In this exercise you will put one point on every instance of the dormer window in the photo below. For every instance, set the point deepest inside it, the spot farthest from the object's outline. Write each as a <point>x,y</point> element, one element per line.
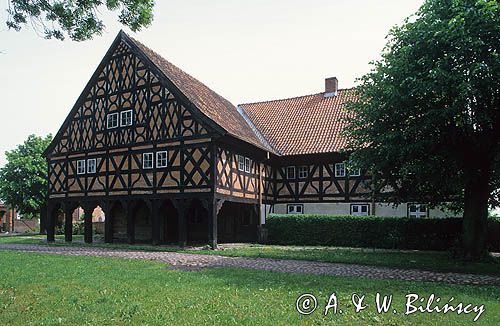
<point>126,118</point>
<point>112,121</point>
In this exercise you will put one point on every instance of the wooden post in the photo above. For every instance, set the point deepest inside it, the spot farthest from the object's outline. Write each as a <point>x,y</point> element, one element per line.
<point>68,223</point>
<point>212,222</point>
<point>87,223</point>
<point>182,206</point>
<point>130,222</point>
<point>108,223</point>
<point>43,220</point>
<point>50,224</point>
<point>155,222</point>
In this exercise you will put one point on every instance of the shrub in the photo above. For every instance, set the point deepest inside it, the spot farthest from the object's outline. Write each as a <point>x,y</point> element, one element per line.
<point>370,231</point>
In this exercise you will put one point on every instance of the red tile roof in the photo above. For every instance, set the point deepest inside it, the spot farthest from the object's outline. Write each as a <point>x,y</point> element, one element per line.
<point>302,125</point>
<point>211,104</point>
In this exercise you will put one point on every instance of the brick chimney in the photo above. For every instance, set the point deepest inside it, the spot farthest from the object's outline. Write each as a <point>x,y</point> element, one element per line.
<point>331,86</point>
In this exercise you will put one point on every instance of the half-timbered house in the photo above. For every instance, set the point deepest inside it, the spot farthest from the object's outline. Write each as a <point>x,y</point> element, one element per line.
<point>168,160</point>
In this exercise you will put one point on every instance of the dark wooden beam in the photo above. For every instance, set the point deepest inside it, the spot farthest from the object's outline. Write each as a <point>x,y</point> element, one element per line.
<point>68,223</point>
<point>87,223</point>
<point>155,219</point>
<point>212,222</point>
<point>51,223</point>
<point>130,222</point>
<point>108,223</point>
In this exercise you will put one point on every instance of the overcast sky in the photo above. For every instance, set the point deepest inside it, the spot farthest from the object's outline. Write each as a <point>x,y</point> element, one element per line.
<point>246,51</point>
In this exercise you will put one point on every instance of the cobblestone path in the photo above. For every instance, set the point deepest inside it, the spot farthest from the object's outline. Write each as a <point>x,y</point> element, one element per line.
<point>195,261</point>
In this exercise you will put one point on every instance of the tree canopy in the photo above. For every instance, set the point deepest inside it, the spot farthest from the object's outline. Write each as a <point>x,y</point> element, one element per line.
<point>23,180</point>
<point>77,19</point>
<point>427,122</point>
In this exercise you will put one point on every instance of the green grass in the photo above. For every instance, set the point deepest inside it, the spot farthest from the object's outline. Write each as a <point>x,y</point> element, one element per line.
<point>424,260</point>
<point>52,289</point>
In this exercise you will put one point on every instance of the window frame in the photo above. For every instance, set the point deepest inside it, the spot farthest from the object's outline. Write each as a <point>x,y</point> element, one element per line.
<point>151,154</point>
<point>248,165</point>
<point>158,165</point>
<point>357,174</point>
<point>241,163</point>
<point>360,210</point>
<point>108,119</point>
<point>89,165</point>
<point>80,167</point>
<point>301,169</point>
<point>122,113</point>
<point>294,206</point>
<point>343,169</point>
<point>291,168</point>
<point>418,213</point>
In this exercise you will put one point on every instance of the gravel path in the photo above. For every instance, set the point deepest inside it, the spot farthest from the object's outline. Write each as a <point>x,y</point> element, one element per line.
<point>196,261</point>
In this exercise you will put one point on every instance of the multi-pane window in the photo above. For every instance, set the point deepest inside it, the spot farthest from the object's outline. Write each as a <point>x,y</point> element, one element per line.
<point>295,209</point>
<point>147,160</point>
<point>161,159</point>
<point>359,209</point>
<point>80,167</point>
<point>303,172</point>
<point>112,121</point>
<point>91,165</point>
<point>417,210</point>
<point>241,162</point>
<point>354,172</point>
<point>339,169</point>
<point>290,172</point>
<point>126,118</point>
<point>248,164</point>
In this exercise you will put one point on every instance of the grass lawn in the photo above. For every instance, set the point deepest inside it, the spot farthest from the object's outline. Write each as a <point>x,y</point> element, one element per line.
<point>51,289</point>
<point>425,260</point>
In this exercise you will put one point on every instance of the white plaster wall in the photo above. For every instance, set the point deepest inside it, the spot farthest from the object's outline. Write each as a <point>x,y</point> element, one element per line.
<point>381,209</point>
<point>265,210</point>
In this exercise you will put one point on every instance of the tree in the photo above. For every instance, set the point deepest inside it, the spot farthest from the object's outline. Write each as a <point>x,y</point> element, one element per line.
<point>427,122</point>
<point>77,19</point>
<point>23,180</point>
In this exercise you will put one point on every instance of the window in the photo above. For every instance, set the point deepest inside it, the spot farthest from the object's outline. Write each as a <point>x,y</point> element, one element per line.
<point>112,120</point>
<point>91,165</point>
<point>360,209</point>
<point>247,164</point>
<point>241,162</point>
<point>161,159</point>
<point>290,172</point>
<point>295,209</point>
<point>126,118</point>
<point>80,167</point>
<point>303,172</point>
<point>417,210</point>
<point>147,160</point>
<point>354,172</point>
<point>339,169</point>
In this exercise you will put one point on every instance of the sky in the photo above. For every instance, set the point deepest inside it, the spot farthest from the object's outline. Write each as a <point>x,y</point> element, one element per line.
<point>246,51</point>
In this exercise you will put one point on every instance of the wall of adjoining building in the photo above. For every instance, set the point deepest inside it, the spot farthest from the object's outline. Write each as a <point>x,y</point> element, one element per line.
<point>381,209</point>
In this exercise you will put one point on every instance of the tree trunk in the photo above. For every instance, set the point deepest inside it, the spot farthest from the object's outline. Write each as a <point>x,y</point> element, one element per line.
<point>475,218</point>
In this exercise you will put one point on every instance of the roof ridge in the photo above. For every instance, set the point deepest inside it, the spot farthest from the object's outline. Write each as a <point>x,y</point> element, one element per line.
<point>292,98</point>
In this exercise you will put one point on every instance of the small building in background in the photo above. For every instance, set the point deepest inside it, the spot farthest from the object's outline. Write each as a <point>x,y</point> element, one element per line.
<point>7,218</point>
